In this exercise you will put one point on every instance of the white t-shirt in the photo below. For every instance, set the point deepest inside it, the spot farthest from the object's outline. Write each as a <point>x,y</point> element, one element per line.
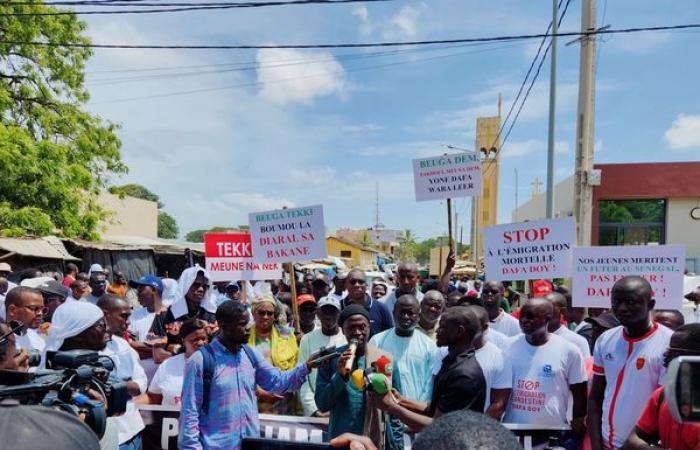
<point>506,324</point>
<point>498,339</point>
<point>633,369</point>
<point>541,379</point>
<point>127,366</point>
<point>31,340</point>
<point>168,380</point>
<point>579,341</point>
<point>497,369</point>
<point>140,323</point>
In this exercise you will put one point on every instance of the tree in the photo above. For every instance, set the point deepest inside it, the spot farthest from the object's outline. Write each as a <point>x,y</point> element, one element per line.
<point>407,246</point>
<point>138,191</point>
<point>55,158</point>
<point>167,226</point>
<point>198,235</point>
<point>365,240</point>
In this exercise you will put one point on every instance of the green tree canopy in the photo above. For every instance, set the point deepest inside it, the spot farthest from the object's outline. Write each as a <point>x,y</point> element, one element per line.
<point>138,191</point>
<point>167,226</point>
<point>55,157</point>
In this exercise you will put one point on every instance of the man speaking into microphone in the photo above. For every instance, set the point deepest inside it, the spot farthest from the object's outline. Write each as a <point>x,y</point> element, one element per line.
<point>339,388</point>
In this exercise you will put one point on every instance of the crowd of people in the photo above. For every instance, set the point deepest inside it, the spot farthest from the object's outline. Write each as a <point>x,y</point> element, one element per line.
<point>224,352</point>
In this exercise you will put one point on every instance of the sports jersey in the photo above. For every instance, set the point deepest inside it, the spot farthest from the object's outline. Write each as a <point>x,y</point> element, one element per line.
<point>656,420</point>
<point>542,376</point>
<point>633,369</point>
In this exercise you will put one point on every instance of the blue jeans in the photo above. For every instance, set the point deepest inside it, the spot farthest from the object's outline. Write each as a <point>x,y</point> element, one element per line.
<point>132,444</point>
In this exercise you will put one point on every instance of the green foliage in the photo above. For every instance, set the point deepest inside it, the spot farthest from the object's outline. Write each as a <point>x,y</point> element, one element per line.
<point>365,240</point>
<point>198,235</point>
<point>55,157</point>
<point>631,211</point>
<point>167,226</point>
<point>137,191</point>
<point>407,246</point>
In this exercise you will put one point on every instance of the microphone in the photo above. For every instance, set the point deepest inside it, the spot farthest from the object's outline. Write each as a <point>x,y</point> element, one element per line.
<point>353,348</point>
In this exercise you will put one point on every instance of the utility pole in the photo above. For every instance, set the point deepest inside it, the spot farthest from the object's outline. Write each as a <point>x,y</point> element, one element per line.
<point>552,110</point>
<point>585,124</point>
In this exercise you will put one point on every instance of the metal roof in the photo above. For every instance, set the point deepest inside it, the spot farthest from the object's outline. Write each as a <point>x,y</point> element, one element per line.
<point>125,243</point>
<point>38,247</point>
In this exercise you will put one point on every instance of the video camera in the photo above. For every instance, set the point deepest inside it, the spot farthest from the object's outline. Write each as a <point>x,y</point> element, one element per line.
<point>682,391</point>
<point>64,385</point>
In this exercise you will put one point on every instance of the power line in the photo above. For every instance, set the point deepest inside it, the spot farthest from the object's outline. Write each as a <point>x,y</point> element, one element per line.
<point>252,65</point>
<point>509,38</point>
<point>258,83</point>
<point>529,89</point>
<point>189,7</point>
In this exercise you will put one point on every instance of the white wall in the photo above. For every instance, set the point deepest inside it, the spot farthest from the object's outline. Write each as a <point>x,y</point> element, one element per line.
<point>536,207</point>
<point>681,228</point>
<point>132,216</point>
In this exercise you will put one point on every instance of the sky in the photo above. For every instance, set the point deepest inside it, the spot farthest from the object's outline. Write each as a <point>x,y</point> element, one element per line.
<point>218,134</point>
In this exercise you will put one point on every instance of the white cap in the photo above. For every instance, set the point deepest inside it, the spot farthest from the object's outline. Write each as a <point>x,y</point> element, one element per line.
<point>96,268</point>
<point>329,301</point>
<point>4,267</point>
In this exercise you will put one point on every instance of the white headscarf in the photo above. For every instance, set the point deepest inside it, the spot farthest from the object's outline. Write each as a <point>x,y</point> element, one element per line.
<point>179,307</point>
<point>69,320</point>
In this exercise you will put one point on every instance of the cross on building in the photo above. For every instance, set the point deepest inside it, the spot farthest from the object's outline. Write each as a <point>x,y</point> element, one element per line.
<point>536,185</point>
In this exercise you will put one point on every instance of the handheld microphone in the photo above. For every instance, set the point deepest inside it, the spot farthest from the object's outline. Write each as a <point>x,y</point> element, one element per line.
<point>353,348</point>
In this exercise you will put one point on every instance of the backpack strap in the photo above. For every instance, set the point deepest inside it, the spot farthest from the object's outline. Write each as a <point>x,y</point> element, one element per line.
<point>208,362</point>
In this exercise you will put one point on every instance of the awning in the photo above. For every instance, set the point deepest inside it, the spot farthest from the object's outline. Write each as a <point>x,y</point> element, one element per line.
<point>37,247</point>
<point>126,243</point>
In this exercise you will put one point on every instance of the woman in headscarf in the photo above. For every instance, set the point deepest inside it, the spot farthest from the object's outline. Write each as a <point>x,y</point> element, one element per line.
<point>278,345</point>
<point>194,302</point>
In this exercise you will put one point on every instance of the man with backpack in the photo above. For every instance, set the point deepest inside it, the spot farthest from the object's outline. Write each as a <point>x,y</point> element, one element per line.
<point>219,407</point>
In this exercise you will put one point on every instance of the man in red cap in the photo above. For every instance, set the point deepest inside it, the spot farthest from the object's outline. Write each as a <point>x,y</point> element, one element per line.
<point>307,313</point>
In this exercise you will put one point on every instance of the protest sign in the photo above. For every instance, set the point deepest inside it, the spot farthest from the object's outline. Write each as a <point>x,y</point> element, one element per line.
<point>287,235</point>
<point>447,176</point>
<point>529,250</point>
<point>229,256</point>
<point>163,426</point>
<point>596,269</point>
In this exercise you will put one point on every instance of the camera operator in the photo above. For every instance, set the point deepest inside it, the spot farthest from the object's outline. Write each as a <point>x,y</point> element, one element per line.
<point>81,326</point>
<point>126,367</point>
<point>656,426</point>
<point>10,357</point>
<point>26,304</point>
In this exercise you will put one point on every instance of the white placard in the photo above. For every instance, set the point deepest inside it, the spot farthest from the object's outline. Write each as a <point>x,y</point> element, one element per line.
<point>529,250</point>
<point>286,235</point>
<point>447,176</point>
<point>596,269</point>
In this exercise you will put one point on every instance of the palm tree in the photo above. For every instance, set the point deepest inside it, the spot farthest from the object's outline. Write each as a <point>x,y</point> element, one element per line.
<point>407,246</point>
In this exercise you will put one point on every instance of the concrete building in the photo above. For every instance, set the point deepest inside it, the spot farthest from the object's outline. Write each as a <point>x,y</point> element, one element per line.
<point>352,253</point>
<point>131,216</point>
<point>636,204</point>
<point>383,239</point>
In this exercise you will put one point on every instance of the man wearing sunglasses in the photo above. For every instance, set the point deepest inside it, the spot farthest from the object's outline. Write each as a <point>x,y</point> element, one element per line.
<point>379,314</point>
<point>492,295</point>
<point>26,305</point>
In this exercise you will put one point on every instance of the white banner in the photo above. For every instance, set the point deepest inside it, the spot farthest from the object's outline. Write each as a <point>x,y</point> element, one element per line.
<point>286,235</point>
<point>596,269</point>
<point>529,250</point>
<point>447,176</point>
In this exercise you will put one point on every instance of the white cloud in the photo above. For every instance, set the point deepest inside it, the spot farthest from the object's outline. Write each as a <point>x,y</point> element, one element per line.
<point>640,43</point>
<point>362,128</point>
<point>598,146</point>
<point>405,149</point>
<point>684,132</point>
<point>283,81</point>
<point>362,13</point>
<point>516,149</point>
<point>405,20</point>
